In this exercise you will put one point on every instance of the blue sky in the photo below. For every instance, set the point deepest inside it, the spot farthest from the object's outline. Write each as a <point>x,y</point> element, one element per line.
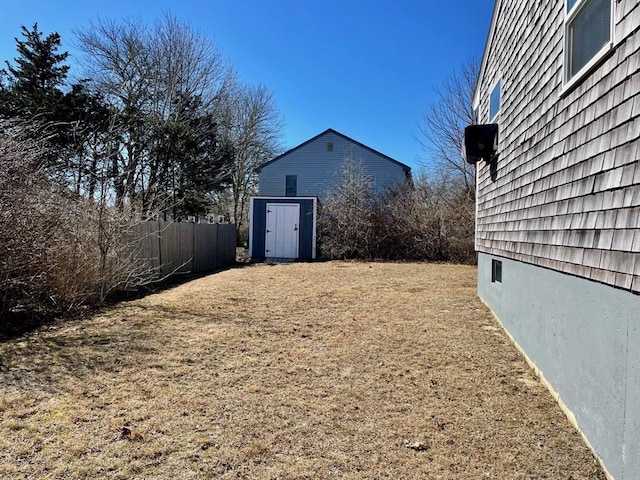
<point>367,68</point>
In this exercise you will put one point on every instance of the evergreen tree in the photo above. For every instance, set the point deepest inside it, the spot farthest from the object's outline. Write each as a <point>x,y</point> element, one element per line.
<point>34,91</point>
<point>33,84</point>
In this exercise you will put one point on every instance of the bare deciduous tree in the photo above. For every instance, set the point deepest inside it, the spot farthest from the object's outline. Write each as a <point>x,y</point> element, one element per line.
<point>252,129</point>
<point>442,126</point>
<point>162,81</point>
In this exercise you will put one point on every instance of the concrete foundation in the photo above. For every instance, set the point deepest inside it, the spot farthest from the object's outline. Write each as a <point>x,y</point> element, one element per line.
<point>584,338</point>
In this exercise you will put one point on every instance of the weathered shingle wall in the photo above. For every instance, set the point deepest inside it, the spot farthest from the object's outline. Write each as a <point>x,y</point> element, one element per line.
<point>566,193</point>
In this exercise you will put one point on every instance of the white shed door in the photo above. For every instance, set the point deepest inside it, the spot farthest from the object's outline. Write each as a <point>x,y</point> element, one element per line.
<point>282,230</point>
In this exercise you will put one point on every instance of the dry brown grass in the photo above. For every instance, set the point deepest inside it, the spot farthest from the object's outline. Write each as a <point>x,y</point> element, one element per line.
<point>305,371</point>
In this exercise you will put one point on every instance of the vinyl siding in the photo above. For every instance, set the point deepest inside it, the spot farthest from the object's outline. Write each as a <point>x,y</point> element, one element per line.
<point>566,193</point>
<point>319,170</point>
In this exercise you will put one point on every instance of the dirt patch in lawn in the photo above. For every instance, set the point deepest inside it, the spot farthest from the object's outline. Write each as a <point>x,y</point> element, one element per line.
<point>299,371</point>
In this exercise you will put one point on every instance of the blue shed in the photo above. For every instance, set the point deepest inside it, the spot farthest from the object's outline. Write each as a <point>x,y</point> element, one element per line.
<point>282,227</point>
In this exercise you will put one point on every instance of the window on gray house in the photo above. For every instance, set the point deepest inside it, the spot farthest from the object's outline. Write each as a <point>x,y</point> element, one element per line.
<point>291,185</point>
<point>587,33</point>
<point>494,101</point>
<point>329,146</point>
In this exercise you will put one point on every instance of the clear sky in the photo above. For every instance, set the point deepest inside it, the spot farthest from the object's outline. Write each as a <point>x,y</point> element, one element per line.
<point>367,68</point>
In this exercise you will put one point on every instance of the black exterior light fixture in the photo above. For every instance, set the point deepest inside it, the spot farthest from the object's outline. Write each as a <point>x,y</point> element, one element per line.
<point>481,143</point>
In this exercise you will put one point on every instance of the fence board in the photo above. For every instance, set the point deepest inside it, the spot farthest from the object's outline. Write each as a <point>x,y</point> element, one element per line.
<point>205,247</point>
<point>176,248</point>
<point>147,244</point>
<point>227,243</point>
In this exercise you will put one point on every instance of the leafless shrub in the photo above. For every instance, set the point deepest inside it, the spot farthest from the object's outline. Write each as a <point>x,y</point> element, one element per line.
<point>58,251</point>
<point>347,216</point>
<point>428,220</point>
<point>22,214</point>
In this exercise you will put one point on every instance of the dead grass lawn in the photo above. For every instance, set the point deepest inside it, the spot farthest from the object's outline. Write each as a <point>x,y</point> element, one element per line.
<point>301,371</point>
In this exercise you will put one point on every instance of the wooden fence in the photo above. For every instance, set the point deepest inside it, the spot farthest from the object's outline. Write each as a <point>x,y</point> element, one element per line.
<point>173,248</point>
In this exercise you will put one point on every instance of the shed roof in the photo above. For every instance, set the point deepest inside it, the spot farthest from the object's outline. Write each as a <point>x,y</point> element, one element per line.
<point>405,167</point>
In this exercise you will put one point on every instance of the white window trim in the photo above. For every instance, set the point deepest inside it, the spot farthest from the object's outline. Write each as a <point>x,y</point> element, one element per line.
<point>568,84</point>
<point>497,114</point>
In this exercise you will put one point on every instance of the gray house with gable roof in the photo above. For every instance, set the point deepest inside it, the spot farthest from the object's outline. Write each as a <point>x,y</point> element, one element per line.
<point>315,166</point>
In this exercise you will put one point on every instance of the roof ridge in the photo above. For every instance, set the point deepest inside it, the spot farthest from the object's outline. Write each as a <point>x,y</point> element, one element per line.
<point>404,166</point>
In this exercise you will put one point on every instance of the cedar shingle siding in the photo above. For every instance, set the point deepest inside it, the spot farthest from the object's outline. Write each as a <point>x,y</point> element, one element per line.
<point>566,194</point>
